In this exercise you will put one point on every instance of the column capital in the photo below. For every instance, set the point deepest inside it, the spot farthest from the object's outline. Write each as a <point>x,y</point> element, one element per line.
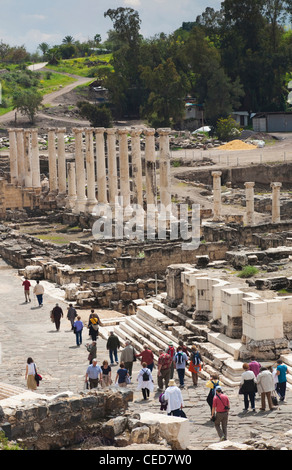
<point>99,130</point>
<point>88,130</point>
<point>11,129</point>
<point>61,130</point>
<point>164,131</point>
<point>51,129</point>
<point>78,130</point>
<point>216,174</point>
<point>135,132</point>
<point>19,129</point>
<point>276,185</point>
<point>149,131</point>
<point>249,184</point>
<point>123,131</point>
<point>111,130</point>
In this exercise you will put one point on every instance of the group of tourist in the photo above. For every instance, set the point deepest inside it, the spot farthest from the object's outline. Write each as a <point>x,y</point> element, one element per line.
<point>270,382</point>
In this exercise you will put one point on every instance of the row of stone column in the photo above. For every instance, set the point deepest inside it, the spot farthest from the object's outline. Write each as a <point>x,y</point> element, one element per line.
<point>81,200</point>
<point>24,157</point>
<point>77,181</point>
<point>249,196</point>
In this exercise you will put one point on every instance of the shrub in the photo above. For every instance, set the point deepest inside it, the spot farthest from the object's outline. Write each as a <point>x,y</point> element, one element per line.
<point>248,271</point>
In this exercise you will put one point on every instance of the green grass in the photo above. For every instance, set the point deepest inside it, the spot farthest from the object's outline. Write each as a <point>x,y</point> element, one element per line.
<point>79,67</point>
<point>248,271</point>
<point>56,80</point>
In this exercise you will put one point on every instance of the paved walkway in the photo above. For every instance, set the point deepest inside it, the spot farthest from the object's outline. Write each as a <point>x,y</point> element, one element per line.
<point>26,330</point>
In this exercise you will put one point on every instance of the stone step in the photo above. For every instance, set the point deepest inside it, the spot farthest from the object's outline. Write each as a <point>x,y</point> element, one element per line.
<point>7,391</point>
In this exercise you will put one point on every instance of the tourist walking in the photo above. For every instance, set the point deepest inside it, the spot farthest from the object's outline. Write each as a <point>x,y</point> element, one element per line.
<point>266,386</point>
<point>282,370</point>
<point>174,399</point>
<point>147,356</point>
<point>128,356</point>
<point>122,376</point>
<point>91,348</point>
<point>171,351</point>
<point>56,315</point>
<point>38,291</point>
<point>163,369</point>
<point>30,372</point>
<point>106,374</point>
<point>145,381</point>
<point>78,328</point>
<point>212,384</point>
<point>93,374</point>
<point>26,285</point>
<point>112,345</point>
<point>180,361</point>
<point>254,366</point>
<point>196,364</point>
<point>248,387</point>
<point>220,410</point>
<point>93,325</point>
<point>71,315</point>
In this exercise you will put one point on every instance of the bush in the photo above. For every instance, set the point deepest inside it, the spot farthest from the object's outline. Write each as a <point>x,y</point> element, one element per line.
<point>98,116</point>
<point>227,129</point>
<point>248,271</point>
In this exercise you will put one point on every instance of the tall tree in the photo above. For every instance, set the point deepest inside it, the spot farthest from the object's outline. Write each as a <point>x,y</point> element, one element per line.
<point>124,83</point>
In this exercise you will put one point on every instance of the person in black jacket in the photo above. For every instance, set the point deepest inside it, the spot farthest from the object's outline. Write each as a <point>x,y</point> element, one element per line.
<point>112,345</point>
<point>248,387</point>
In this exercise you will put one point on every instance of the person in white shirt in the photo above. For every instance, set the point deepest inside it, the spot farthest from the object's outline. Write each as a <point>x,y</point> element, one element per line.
<point>174,399</point>
<point>248,387</point>
<point>38,290</point>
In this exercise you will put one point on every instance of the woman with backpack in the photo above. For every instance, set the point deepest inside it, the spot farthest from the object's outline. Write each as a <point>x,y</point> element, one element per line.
<point>212,384</point>
<point>145,381</point>
<point>196,364</point>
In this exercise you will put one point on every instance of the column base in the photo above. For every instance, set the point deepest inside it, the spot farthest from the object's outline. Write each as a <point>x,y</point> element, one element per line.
<point>90,205</point>
<point>80,206</point>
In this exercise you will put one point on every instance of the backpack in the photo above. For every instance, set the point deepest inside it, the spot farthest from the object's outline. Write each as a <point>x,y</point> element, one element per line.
<point>179,358</point>
<point>145,376</point>
<point>163,402</point>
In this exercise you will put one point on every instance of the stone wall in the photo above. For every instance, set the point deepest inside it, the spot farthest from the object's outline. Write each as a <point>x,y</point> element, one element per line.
<point>261,174</point>
<point>49,425</point>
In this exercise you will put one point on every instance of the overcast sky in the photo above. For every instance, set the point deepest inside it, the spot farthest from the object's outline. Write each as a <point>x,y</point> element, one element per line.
<point>31,22</point>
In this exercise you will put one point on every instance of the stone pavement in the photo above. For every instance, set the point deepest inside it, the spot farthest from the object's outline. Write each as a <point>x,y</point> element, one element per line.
<point>26,330</point>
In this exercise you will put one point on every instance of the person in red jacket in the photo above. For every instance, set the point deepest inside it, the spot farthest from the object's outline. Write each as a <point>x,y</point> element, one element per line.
<point>220,407</point>
<point>147,356</point>
<point>26,284</point>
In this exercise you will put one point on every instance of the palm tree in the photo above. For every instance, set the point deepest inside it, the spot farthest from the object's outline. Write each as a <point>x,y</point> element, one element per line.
<point>44,47</point>
<point>68,40</point>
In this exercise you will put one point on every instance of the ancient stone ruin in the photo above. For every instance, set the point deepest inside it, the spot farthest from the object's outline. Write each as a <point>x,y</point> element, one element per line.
<point>165,292</point>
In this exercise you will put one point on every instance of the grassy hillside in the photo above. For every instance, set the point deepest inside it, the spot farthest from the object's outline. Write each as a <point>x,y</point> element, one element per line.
<point>83,66</point>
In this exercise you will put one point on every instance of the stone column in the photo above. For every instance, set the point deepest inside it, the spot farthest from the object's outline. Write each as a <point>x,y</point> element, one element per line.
<point>13,156</point>
<point>90,170</point>
<point>20,156</point>
<point>217,195</point>
<point>137,167</point>
<point>164,168</point>
<point>124,168</point>
<point>249,198</point>
<point>112,165</point>
<point>150,167</point>
<point>27,159</point>
<point>276,205</point>
<point>53,178</point>
<point>62,185</point>
<point>100,164</point>
<point>35,159</point>
<point>71,198</point>
<point>80,172</point>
